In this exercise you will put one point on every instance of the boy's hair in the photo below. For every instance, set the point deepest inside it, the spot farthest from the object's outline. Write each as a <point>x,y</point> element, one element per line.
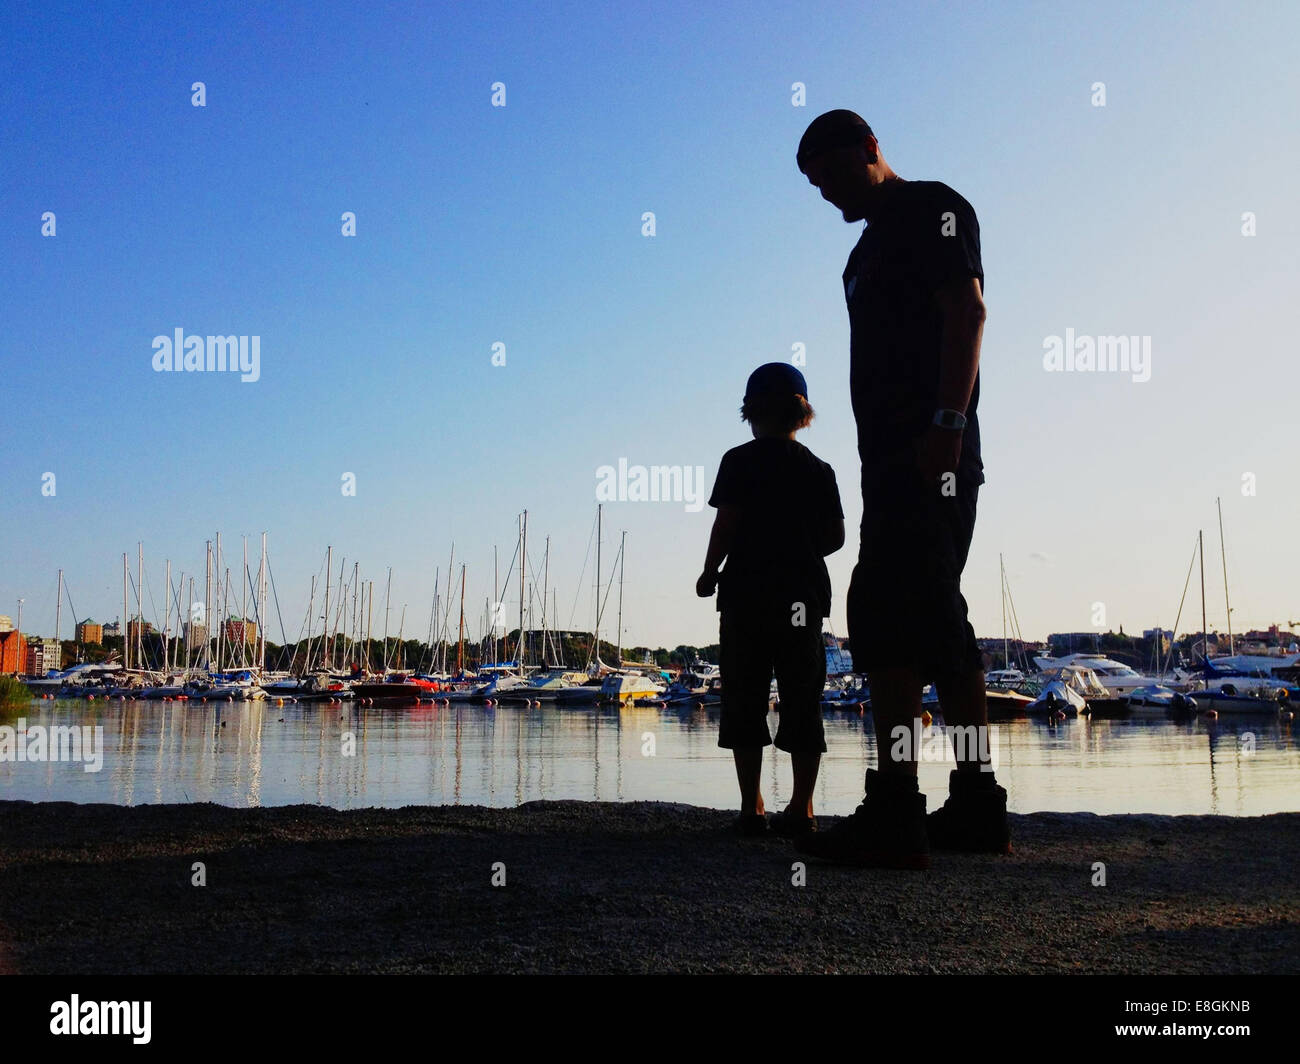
<point>785,413</point>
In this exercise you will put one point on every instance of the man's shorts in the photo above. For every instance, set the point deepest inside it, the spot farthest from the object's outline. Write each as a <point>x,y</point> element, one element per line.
<point>905,606</point>
<point>753,646</point>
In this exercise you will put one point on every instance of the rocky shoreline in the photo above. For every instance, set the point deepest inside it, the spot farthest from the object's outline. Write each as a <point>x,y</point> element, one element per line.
<point>625,887</point>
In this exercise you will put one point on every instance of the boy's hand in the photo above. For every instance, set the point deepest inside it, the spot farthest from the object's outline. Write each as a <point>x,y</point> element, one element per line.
<point>707,583</point>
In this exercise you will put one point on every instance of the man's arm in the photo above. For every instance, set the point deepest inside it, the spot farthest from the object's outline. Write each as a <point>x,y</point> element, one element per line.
<point>961,305</point>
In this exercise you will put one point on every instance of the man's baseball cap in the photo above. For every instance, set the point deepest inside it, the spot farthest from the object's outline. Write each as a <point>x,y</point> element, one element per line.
<point>834,129</point>
<point>775,379</point>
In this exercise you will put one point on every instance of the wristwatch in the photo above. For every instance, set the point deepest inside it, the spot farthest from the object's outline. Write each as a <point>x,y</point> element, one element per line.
<point>950,419</point>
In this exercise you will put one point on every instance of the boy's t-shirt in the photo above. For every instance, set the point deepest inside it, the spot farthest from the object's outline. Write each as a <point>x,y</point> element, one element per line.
<point>787,498</point>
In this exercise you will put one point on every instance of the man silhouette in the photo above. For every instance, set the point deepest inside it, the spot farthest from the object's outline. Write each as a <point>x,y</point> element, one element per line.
<point>914,289</point>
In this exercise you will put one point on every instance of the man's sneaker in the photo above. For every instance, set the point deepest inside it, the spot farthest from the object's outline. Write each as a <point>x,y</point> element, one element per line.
<point>974,818</point>
<point>886,831</point>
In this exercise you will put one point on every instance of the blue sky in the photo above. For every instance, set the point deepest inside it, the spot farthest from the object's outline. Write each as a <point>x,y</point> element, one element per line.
<point>522,225</point>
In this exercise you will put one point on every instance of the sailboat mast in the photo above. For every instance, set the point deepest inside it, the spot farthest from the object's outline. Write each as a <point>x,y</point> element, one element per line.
<point>1200,547</point>
<point>325,627</point>
<point>621,561</point>
<point>243,605</point>
<point>139,612</point>
<point>370,617</point>
<point>167,618</point>
<point>189,632</point>
<point>596,636</point>
<point>546,583</point>
<point>217,597</point>
<point>207,606</point>
<point>352,628</point>
<point>523,564</point>
<point>261,608</point>
<point>1006,655</point>
<point>446,614</point>
<point>460,637</point>
<point>58,613</point>
<point>1224,553</point>
<point>126,624</point>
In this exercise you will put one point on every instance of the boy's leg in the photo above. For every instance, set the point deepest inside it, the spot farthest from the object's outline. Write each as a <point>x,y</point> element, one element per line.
<point>749,769</point>
<point>743,720</point>
<point>800,676</point>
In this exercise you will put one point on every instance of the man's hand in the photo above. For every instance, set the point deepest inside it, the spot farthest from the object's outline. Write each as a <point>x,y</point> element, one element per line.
<point>707,583</point>
<point>938,453</point>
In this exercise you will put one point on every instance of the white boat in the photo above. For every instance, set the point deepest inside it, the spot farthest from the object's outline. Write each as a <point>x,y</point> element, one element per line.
<point>1067,689</point>
<point>1119,679</point>
<point>622,687</point>
<point>1158,701</point>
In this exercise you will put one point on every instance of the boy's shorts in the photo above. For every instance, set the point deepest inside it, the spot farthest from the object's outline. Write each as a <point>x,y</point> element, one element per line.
<point>905,606</point>
<point>754,646</point>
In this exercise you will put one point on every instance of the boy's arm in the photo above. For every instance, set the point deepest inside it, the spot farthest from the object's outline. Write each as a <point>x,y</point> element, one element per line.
<point>720,541</point>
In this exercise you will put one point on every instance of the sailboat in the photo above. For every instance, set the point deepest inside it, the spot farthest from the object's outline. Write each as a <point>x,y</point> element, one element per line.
<point>1227,690</point>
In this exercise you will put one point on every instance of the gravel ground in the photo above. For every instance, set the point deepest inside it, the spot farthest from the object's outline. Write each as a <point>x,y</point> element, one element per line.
<point>625,887</point>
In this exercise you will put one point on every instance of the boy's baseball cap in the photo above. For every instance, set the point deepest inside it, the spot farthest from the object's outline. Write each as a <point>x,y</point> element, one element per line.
<point>834,129</point>
<point>776,378</point>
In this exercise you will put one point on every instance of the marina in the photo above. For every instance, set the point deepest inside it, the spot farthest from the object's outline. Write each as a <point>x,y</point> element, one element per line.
<point>257,753</point>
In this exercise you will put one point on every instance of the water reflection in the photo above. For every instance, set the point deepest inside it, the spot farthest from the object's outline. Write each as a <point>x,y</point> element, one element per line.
<point>250,754</point>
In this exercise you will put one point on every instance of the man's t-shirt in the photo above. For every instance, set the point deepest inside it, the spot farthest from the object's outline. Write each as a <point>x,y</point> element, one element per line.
<point>924,237</point>
<point>787,498</point>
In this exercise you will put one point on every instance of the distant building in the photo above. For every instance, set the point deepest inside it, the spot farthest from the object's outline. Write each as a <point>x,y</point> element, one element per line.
<point>41,656</point>
<point>1162,637</point>
<point>89,633</point>
<point>137,628</point>
<point>6,623</point>
<point>112,630</point>
<point>196,635</point>
<point>241,631</point>
<point>13,652</point>
<point>1074,642</point>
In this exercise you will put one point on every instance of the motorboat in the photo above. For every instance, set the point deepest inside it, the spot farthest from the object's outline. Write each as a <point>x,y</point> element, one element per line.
<point>238,685</point>
<point>1158,701</point>
<point>1067,690</point>
<point>394,687</point>
<point>624,687</point>
<point>1118,679</point>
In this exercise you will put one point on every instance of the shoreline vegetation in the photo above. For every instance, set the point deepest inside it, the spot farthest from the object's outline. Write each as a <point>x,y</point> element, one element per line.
<point>625,887</point>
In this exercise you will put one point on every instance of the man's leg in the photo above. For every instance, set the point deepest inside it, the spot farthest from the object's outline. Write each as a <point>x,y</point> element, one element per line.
<point>888,828</point>
<point>895,703</point>
<point>965,705</point>
<point>974,818</point>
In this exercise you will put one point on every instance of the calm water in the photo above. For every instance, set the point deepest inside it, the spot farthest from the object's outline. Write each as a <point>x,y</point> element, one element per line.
<point>249,754</point>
